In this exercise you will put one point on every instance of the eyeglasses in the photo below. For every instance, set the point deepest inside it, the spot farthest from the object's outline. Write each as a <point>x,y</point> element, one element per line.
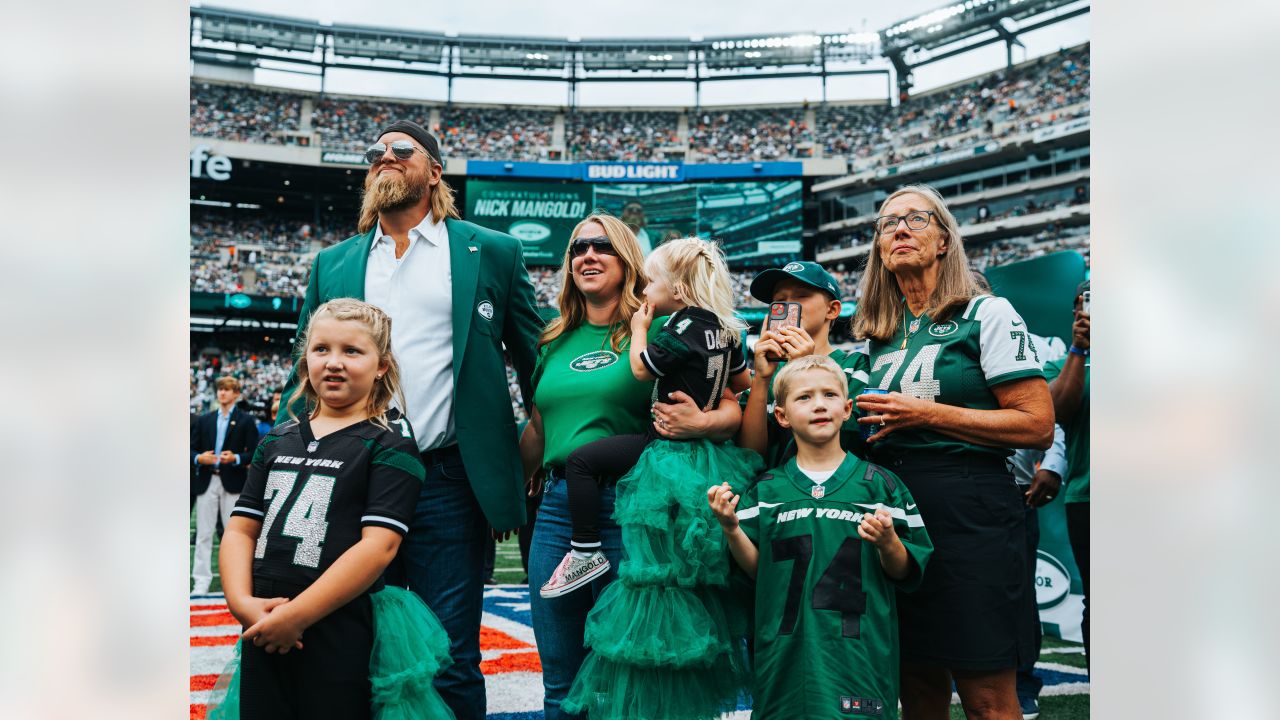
<point>916,220</point>
<point>403,150</point>
<point>602,245</point>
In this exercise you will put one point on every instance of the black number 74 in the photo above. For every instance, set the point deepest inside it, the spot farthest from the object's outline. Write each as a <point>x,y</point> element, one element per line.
<point>839,588</point>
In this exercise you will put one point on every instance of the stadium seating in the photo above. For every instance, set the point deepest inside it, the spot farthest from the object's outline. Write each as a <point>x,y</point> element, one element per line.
<point>630,135</point>
<point>231,112</point>
<point>988,107</point>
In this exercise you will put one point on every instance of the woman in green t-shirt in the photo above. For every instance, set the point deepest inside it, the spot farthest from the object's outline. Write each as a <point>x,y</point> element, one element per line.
<point>584,391</point>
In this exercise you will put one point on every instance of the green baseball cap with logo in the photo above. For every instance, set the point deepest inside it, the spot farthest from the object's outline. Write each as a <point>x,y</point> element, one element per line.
<point>809,273</point>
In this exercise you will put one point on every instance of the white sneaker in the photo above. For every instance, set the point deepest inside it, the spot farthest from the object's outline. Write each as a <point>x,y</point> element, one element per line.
<point>574,572</point>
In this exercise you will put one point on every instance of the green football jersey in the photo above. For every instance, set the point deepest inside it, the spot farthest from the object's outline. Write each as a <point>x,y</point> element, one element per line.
<point>957,363</point>
<point>826,625</point>
<point>780,445</point>
<point>585,391</point>
<point>1077,432</point>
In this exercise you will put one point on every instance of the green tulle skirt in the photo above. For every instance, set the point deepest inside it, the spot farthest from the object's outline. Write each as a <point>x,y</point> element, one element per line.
<point>667,639</point>
<point>410,647</point>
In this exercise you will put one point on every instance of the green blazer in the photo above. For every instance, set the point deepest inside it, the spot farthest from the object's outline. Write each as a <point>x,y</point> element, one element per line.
<point>486,266</point>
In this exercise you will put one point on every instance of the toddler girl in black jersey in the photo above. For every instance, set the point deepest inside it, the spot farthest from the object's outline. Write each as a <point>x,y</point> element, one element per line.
<point>329,497</point>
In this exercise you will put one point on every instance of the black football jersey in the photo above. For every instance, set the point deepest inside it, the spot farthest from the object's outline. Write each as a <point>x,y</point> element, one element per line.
<point>313,497</point>
<point>691,354</point>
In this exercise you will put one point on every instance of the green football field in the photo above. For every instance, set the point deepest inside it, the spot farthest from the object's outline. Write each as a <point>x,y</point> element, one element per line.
<point>1055,655</point>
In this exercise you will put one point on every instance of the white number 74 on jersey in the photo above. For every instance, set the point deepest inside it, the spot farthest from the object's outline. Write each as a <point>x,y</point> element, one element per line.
<point>918,379</point>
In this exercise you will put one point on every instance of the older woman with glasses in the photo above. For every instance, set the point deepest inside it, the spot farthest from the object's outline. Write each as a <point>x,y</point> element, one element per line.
<point>584,391</point>
<point>964,389</point>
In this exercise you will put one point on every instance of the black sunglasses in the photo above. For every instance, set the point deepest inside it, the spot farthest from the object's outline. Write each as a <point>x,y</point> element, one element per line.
<point>602,244</point>
<point>403,150</point>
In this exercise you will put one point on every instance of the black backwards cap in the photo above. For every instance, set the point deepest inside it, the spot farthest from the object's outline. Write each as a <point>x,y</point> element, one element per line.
<point>419,133</point>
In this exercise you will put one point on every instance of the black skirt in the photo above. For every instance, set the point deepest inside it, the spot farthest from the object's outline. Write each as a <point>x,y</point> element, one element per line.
<point>964,615</point>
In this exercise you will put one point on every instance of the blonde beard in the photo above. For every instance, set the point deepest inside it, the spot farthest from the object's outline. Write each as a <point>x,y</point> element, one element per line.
<point>383,193</point>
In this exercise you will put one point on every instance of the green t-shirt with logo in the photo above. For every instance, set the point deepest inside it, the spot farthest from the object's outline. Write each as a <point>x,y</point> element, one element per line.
<point>1077,432</point>
<point>779,445</point>
<point>956,363</point>
<point>585,391</point>
<point>826,626</point>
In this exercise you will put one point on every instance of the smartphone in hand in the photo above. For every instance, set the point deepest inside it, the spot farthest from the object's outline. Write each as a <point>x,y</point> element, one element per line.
<point>781,314</point>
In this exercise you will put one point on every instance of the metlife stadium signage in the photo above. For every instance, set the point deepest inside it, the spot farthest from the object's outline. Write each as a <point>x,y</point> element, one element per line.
<point>633,172</point>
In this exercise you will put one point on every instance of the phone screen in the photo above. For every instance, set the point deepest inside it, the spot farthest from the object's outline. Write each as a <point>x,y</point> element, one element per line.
<point>1084,301</point>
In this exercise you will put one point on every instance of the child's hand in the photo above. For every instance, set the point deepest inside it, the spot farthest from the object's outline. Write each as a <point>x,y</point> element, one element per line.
<point>795,342</point>
<point>277,631</point>
<point>878,528</point>
<point>250,610</point>
<point>642,319</point>
<point>723,503</point>
<point>767,346</point>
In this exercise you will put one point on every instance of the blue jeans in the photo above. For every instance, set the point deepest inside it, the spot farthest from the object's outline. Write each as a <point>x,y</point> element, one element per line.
<point>442,559</point>
<point>559,623</point>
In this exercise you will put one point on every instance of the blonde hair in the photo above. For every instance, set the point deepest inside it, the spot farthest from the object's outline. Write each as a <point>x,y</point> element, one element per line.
<point>573,304</point>
<point>880,308</point>
<point>786,376</point>
<point>227,382</point>
<point>442,202</point>
<point>378,324</point>
<point>696,269</point>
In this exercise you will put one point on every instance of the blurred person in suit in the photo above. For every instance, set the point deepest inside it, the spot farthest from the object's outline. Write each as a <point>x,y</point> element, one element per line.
<point>222,444</point>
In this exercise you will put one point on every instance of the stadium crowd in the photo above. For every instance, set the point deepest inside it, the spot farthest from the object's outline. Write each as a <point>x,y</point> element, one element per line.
<point>495,133</point>
<point>989,107</point>
<point>260,374</point>
<point>231,112</point>
<point>613,135</point>
<point>756,134</point>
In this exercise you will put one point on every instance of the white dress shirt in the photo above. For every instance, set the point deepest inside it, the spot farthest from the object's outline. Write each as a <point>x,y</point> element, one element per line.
<point>416,290</point>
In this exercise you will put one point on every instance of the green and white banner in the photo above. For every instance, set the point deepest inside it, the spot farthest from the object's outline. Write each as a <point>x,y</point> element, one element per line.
<point>541,215</point>
<point>1042,290</point>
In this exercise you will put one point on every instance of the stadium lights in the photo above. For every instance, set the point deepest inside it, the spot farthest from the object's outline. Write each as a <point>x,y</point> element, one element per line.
<point>936,17</point>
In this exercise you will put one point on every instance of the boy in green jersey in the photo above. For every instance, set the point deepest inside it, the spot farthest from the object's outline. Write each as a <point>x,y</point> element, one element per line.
<point>818,294</point>
<point>829,539</point>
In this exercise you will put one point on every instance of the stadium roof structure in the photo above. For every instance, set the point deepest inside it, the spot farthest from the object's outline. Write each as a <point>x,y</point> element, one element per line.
<point>223,36</point>
<point>966,25</point>
<point>236,37</point>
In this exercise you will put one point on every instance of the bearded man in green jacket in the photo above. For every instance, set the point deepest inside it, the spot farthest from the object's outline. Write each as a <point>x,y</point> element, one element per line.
<point>456,293</point>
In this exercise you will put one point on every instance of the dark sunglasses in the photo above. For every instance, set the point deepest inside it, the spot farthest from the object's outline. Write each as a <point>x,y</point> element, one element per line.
<point>403,150</point>
<point>603,246</point>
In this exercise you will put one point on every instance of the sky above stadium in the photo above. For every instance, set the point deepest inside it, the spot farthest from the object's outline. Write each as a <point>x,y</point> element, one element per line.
<point>655,19</point>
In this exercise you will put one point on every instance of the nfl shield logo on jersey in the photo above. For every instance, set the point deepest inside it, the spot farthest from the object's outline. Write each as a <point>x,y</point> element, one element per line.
<point>817,491</point>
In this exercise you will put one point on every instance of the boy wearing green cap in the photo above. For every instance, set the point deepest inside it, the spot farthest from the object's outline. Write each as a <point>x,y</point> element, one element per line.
<point>818,294</point>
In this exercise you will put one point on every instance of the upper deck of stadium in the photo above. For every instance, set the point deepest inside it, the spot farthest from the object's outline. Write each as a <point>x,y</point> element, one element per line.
<point>832,138</point>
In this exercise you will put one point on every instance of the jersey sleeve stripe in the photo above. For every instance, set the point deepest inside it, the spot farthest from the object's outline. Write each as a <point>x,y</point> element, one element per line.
<point>740,366</point>
<point>973,307</point>
<point>644,358</point>
<point>754,511</point>
<point>1016,375</point>
<point>912,520</point>
<point>241,510</point>
<point>860,375</point>
<point>381,520</point>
